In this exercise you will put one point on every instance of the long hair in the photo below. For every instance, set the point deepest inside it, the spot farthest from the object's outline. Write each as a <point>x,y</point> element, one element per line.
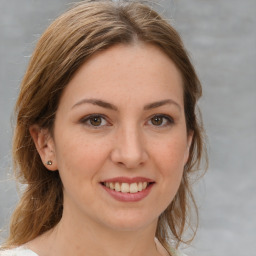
<point>86,29</point>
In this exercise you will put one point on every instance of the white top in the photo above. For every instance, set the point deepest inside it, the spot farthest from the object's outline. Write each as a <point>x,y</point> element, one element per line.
<point>19,251</point>
<point>22,251</point>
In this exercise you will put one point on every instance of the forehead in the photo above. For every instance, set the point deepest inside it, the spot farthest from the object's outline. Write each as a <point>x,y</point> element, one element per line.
<point>140,72</point>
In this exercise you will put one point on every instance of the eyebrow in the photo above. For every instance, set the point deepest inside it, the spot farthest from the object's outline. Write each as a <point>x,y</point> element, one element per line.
<point>161,103</point>
<point>107,105</point>
<point>97,102</point>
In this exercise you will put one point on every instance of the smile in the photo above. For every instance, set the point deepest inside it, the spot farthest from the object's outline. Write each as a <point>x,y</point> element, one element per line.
<point>126,187</point>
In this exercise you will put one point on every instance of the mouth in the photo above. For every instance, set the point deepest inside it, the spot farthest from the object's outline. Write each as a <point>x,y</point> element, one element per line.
<point>125,187</point>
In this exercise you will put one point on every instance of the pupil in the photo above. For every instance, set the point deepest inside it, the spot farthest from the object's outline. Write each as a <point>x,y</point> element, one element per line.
<point>96,121</point>
<point>157,120</point>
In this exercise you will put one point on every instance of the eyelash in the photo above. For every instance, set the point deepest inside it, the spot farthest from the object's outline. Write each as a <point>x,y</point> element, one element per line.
<point>87,120</point>
<point>168,120</point>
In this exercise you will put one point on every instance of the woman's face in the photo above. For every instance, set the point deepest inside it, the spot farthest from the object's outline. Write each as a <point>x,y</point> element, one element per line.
<point>120,140</point>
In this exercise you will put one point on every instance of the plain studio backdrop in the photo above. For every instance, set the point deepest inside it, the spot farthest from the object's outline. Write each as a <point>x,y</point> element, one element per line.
<point>221,39</point>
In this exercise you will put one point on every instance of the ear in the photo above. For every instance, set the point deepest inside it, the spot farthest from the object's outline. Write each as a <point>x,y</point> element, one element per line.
<point>189,141</point>
<point>45,146</point>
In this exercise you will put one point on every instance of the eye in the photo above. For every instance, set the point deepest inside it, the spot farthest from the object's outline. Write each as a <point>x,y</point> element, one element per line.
<point>161,120</point>
<point>94,121</point>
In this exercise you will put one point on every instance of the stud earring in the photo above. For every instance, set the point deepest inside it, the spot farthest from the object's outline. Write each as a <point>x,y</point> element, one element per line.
<point>49,162</point>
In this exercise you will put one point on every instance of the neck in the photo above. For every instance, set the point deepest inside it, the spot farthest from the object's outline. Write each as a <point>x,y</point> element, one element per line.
<point>71,237</point>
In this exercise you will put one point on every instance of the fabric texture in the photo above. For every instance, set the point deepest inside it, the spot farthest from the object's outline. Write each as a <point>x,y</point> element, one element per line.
<point>19,251</point>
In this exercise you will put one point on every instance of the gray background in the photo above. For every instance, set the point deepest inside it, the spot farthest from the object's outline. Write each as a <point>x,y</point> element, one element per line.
<point>220,36</point>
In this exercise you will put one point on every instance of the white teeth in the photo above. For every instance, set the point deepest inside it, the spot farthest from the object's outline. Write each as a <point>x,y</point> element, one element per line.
<point>144,185</point>
<point>112,185</point>
<point>117,187</point>
<point>140,186</point>
<point>133,188</point>
<point>125,187</point>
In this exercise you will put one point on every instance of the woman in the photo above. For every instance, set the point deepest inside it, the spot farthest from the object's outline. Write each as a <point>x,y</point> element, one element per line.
<point>106,136</point>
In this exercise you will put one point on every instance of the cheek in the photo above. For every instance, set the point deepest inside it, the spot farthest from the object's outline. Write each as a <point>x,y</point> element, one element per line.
<point>169,162</point>
<point>80,157</point>
<point>171,155</point>
<point>79,163</point>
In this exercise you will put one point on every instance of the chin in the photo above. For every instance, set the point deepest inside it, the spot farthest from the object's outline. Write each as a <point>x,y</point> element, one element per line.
<point>131,222</point>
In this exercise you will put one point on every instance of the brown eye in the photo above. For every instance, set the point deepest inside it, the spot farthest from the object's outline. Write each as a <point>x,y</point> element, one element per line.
<point>157,120</point>
<point>95,121</point>
<point>161,120</point>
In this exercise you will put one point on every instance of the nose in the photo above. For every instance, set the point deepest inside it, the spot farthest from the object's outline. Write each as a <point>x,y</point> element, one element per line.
<point>129,149</point>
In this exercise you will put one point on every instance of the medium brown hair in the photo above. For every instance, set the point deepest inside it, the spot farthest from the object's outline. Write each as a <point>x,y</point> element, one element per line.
<point>86,29</point>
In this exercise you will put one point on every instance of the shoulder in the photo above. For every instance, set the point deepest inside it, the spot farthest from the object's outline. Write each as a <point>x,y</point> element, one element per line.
<point>19,251</point>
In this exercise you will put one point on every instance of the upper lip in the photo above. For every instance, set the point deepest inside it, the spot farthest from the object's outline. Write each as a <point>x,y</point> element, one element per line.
<point>129,180</point>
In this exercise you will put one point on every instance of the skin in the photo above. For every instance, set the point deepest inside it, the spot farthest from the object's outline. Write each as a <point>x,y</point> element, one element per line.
<point>125,142</point>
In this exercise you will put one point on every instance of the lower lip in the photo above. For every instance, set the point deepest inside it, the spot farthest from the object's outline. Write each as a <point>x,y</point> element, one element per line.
<point>129,197</point>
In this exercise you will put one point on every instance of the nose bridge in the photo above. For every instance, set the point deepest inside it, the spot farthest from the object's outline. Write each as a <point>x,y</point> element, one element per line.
<point>131,140</point>
<point>129,147</point>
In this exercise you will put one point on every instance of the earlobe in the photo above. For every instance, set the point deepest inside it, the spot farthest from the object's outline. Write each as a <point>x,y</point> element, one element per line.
<point>45,146</point>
